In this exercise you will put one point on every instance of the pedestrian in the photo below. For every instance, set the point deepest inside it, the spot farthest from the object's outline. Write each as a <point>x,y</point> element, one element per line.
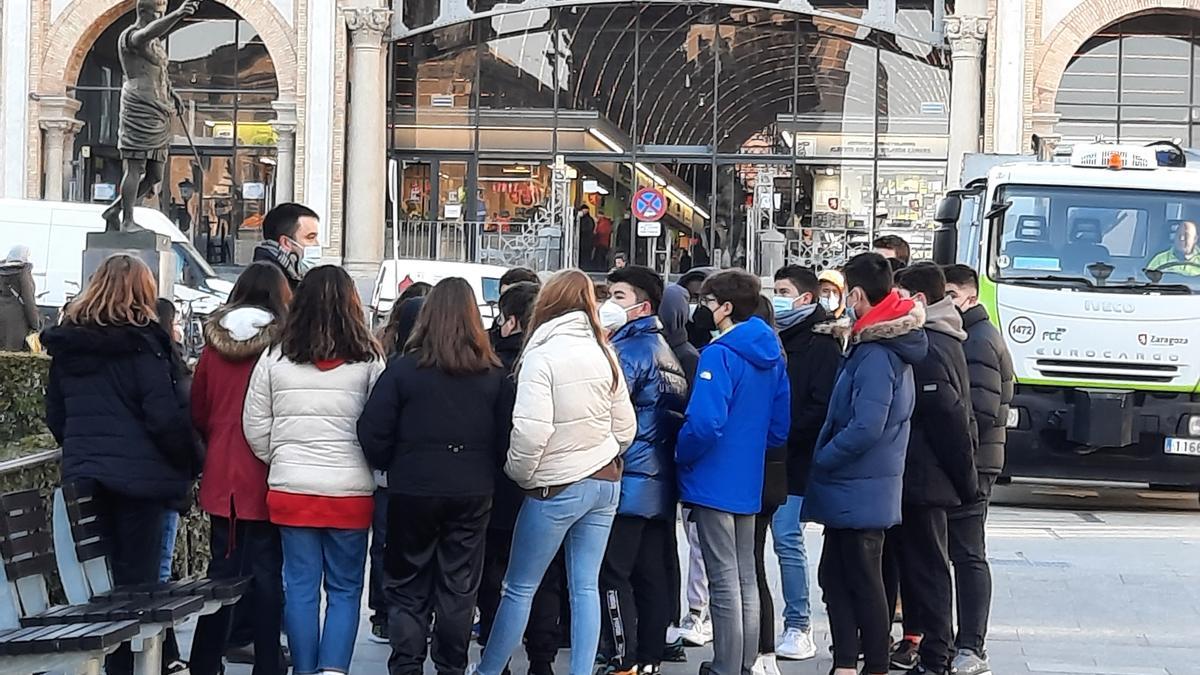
<point>774,495</point>
<point>113,405</point>
<point>721,455</point>
<point>437,422</point>
<point>401,321</point>
<point>833,293</point>
<point>939,474</point>
<point>543,631</point>
<point>587,235</point>
<point>991,373</point>
<point>19,317</point>
<point>291,240</point>
<point>517,275</point>
<point>572,420</point>
<point>856,477</point>
<point>633,578</point>
<point>305,396</point>
<point>674,316</point>
<point>233,487</point>
<point>893,247</point>
<point>813,361</point>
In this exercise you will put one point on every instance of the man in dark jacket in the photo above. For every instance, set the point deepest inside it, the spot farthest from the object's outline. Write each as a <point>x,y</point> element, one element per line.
<point>856,479</point>
<point>813,361</point>
<point>939,474</point>
<point>291,240</point>
<point>542,632</point>
<point>991,371</point>
<point>674,315</point>
<point>633,577</point>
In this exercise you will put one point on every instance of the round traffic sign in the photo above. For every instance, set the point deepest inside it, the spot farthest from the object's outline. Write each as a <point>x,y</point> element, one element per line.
<point>649,204</point>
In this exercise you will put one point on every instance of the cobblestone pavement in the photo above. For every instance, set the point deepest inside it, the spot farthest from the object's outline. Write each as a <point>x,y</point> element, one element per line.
<point>1079,592</point>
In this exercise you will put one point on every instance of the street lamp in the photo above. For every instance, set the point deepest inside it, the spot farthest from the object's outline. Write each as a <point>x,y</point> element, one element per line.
<point>186,190</point>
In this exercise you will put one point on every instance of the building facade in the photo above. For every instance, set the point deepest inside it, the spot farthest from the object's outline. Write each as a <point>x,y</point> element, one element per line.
<point>469,129</point>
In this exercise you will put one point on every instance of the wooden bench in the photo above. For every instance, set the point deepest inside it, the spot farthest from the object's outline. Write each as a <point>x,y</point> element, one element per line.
<point>76,648</point>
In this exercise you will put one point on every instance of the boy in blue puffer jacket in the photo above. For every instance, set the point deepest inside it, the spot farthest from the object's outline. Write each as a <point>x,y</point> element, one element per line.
<point>633,578</point>
<point>857,475</point>
<point>740,406</point>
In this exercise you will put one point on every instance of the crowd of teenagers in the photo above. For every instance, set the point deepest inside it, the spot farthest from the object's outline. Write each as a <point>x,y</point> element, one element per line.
<point>537,470</point>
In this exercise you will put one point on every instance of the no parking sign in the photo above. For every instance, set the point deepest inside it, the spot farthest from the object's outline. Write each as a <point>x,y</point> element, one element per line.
<point>649,204</point>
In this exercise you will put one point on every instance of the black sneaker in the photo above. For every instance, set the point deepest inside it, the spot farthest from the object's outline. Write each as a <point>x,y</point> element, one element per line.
<point>541,668</point>
<point>905,655</point>
<point>379,634</point>
<point>928,671</point>
<point>675,652</point>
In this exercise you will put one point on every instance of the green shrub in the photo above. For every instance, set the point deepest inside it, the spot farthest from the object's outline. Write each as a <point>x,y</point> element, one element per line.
<point>22,396</point>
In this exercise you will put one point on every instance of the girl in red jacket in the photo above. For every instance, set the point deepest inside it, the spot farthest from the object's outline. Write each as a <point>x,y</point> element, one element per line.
<point>233,487</point>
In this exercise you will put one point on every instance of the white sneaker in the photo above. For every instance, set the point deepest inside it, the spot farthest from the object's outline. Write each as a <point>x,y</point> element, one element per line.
<point>770,666</point>
<point>696,630</point>
<point>795,645</point>
<point>759,668</point>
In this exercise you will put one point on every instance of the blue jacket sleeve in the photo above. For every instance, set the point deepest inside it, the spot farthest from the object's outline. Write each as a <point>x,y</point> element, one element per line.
<point>708,409</point>
<point>377,425</point>
<point>870,403</point>
<point>781,413</point>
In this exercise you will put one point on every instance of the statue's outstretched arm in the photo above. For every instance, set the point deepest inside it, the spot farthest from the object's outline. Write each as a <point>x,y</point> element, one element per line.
<point>160,27</point>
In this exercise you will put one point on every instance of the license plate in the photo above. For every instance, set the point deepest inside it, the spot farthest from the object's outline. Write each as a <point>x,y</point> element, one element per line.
<point>1183,446</point>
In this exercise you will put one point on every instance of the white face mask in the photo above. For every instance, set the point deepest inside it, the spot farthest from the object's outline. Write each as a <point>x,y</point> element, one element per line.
<point>310,259</point>
<point>692,310</point>
<point>612,315</point>
<point>831,303</point>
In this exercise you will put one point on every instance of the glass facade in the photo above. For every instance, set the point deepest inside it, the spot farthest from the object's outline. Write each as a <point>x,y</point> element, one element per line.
<point>221,68</point>
<point>1135,81</point>
<point>844,128</point>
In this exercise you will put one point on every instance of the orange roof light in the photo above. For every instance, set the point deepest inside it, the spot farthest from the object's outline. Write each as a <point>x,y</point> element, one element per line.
<point>1114,162</point>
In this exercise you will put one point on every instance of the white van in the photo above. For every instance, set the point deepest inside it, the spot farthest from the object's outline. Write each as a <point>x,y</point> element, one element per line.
<point>484,279</point>
<point>55,233</point>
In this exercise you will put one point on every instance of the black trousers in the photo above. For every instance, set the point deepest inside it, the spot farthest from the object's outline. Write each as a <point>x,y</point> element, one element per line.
<point>633,587</point>
<point>674,577</point>
<point>851,577</point>
<point>543,633</point>
<point>972,574</point>
<point>766,605</point>
<point>918,548</point>
<point>433,562</point>
<point>375,598</point>
<point>242,548</point>
<point>135,529</point>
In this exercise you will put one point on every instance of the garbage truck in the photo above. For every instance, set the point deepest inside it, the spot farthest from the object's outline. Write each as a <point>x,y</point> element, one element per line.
<point>1090,268</point>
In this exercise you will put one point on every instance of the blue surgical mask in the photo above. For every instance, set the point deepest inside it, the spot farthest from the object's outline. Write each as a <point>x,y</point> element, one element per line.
<point>782,303</point>
<point>850,314</point>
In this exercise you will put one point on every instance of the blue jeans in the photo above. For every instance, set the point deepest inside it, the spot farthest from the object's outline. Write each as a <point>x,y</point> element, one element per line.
<point>582,516</point>
<point>788,533</point>
<point>336,559</point>
<point>170,530</point>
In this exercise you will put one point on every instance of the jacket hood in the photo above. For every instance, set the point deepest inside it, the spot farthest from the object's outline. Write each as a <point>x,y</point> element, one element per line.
<point>640,326</point>
<point>85,349</point>
<point>241,333</point>
<point>944,317</point>
<point>673,311</point>
<point>406,320</point>
<point>902,334</point>
<point>575,324</point>
<point>754,341</point>
<point>975,315</point>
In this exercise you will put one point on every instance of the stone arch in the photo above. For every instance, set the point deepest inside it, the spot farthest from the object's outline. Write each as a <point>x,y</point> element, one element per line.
<point>1082,23</point>
<point>82,22</point>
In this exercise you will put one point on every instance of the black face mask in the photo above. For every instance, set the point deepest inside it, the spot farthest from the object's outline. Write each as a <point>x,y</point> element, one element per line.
<point>701,326</point>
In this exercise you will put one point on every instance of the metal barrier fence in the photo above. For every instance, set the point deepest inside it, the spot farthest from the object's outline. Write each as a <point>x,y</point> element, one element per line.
<point>537,246</point>
<point>822,248</point>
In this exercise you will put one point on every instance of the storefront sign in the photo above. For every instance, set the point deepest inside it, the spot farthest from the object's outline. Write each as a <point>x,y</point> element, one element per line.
<point>864,146</point>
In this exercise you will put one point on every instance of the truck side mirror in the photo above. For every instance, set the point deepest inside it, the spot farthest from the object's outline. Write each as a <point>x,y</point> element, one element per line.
<point>945,237</point>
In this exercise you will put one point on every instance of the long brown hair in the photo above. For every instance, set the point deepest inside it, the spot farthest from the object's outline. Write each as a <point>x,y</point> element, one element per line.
<point>326,321</point>
<point>449,334</point>
<point>122,292</point>
<point>572,291</point>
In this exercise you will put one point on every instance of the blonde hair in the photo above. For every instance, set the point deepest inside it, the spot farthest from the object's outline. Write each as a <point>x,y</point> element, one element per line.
<point>122,292</point>
<point>572,291</point>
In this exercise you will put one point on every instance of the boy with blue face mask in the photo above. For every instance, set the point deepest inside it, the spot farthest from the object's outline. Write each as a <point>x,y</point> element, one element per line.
<point>291,241</point>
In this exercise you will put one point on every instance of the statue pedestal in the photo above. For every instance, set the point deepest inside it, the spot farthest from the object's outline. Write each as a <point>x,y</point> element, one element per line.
<point>152,248</point>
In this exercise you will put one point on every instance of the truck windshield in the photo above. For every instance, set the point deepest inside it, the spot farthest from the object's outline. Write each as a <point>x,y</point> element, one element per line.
<point>1116,239</point>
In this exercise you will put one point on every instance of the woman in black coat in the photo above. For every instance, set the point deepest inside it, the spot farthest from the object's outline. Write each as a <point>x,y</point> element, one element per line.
<point>438,421</point>
<point>18,305</point>
<point>113,405</point>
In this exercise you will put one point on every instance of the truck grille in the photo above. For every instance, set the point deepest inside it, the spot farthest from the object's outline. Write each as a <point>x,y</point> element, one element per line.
<point>1114,371</point>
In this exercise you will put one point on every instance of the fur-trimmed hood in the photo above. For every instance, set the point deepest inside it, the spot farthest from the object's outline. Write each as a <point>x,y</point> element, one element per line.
<point>241,333</point>
<point>902,333</point>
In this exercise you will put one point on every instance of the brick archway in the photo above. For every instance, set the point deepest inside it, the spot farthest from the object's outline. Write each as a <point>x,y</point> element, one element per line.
<point>1082,23</point>
<point>82,22</point>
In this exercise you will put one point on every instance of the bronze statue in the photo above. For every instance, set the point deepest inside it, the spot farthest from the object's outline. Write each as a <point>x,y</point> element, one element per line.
<point>147,101</point>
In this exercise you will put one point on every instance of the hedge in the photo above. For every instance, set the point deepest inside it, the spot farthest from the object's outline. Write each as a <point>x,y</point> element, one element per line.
<point>23,432</point>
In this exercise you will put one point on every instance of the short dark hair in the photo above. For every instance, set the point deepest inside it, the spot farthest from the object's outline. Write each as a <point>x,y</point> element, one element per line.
<point>166,315</point>
<point>870,272</point>
<point>803,278</point>
<point>766,311</point>
<point>284,220</point>
<point>518,275</point>
<point>518,301</point>
<point>924,277</point>
<point>417,289</point>
<point>647,283</point>
<point>961,275</point>
<point>894,242</point>
<point>737,287</point>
